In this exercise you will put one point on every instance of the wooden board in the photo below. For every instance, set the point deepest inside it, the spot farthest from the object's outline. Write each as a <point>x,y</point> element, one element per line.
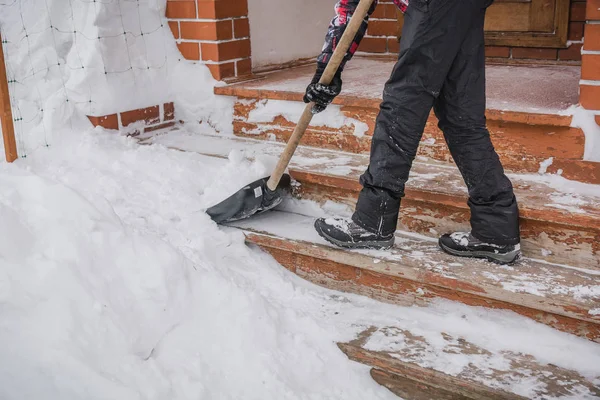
<point>8,129</point>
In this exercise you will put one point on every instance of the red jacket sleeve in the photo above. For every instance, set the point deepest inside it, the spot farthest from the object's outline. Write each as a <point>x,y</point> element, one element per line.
<point>344,10</point>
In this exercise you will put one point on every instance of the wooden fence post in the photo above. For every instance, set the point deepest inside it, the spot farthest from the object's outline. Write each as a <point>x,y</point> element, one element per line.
<point>8,128</point>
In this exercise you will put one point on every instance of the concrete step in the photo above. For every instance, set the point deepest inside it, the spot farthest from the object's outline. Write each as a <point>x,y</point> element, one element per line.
<point>412,367</point>
<point>527,130</point>
<point>416,272</point>
<point>560,219</point>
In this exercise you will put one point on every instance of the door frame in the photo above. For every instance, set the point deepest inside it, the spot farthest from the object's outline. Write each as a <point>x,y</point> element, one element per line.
<point>557,38</point>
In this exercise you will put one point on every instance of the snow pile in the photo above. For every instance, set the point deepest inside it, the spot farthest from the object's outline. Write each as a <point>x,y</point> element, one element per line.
<point>68,59</point>
<point>124,290</point>
<point>115,285</point>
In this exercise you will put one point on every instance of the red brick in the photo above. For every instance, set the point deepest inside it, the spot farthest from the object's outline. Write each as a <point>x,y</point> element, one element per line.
<point>597,118</point>
<point>534,53</point>
<point>571,53</point>
<point>181,9</point>
<point>497,51</point>
<point>196,30</point>
<point>373,45</point>
<point>222,71</point>
<point>589,97</point>
<point>168,111</point>
<point>393,45</point>
<point>243,67</point>
<point>105,121</point>
<point>241,28</point>
<point>385,11</point>
<point>219,9</point>
<point>174,25</point>
<point>226,50</point>
<point>592,37</point>
<point>592,11</point>
<point>577,11</point>
<point>383,28</point>
<point>590,67</point>
<point>576,30</point>
<point>189,50</point>
<point>379,12</point>
<point>150,115</point>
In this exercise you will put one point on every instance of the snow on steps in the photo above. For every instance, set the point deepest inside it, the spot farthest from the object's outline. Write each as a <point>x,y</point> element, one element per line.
<point>560,219</point>
<point>415,271</point>
<point>528,133</point>
<point>405,363</point>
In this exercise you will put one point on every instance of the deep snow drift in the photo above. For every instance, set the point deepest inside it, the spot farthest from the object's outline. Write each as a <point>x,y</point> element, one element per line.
<point>115,285</point>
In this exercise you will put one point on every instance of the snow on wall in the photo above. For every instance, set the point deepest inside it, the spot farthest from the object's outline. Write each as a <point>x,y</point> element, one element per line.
<point>68,59</point>
<point>297,32</point>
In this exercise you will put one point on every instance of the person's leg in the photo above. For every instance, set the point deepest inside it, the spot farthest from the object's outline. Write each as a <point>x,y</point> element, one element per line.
<point>460,109</point>
<point>432,36</point>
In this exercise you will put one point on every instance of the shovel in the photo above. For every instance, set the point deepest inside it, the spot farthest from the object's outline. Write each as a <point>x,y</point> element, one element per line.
<point>267,193</point>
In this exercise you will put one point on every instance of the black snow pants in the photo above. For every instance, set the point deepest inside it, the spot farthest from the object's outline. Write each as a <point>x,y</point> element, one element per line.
<point>441,65</point>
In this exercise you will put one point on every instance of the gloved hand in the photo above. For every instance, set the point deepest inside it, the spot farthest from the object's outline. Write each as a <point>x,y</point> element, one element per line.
<point>322,95</point>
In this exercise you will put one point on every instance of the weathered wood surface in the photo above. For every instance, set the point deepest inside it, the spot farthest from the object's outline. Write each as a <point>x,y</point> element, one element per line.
<point>403,365</point>
<point>415,272</point>
<point>555,226</point>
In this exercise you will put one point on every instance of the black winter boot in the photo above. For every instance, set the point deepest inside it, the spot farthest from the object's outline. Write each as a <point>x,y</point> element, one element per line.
<point>344,232</point>
<point>463,244</point>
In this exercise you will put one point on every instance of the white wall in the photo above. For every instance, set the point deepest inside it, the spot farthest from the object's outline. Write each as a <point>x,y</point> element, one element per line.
<point>286,30</point>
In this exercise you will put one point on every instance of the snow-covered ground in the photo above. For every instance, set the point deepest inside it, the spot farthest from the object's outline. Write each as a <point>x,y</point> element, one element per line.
<point>114,284</point>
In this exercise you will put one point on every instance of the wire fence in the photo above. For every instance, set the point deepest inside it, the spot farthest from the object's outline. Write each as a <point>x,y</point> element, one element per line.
<point>66,59</point>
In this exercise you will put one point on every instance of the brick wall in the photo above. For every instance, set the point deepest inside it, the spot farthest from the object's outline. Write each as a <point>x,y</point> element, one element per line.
<point>146,119</point>
<point>214,31</point>
<point>382,36</point>
<point>590,65</point>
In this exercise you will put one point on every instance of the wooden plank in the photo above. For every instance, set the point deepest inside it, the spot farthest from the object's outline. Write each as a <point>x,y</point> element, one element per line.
<point>409,377</point>
<point>8,128</point>
<point>403,364</point>
<point>399,278</point>
<point>409,389</point>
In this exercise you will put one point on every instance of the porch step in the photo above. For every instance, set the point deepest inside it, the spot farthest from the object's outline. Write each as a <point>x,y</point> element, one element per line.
<point>404,363</point>
<point>415,272</point>
<point>527,115</point>
<point>560,220</point>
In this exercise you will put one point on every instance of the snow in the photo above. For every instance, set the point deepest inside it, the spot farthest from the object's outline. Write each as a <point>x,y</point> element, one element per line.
<point>114,284</point>
<point>544,165</point>
<point>585,120</point>
<point>332,117</point>
<point>68,59</point>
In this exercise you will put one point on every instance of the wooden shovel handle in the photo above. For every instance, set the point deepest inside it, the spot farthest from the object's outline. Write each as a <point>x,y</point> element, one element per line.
<point>332,66</point>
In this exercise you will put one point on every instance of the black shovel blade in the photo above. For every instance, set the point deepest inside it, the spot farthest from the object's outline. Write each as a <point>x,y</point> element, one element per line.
<point>249,200</point>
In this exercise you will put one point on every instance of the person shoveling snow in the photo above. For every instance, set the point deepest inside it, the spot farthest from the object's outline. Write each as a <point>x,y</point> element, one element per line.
<point>441,66</point>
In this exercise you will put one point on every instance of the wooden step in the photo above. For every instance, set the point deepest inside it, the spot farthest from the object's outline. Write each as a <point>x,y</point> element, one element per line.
<point>555,226</point>
<point>416,272</point>
<point>268,108</point>
<point>404,365</point>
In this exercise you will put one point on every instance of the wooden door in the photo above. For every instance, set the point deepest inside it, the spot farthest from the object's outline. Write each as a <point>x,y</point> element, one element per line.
<point>525,23</point>
<point>531,23</point>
